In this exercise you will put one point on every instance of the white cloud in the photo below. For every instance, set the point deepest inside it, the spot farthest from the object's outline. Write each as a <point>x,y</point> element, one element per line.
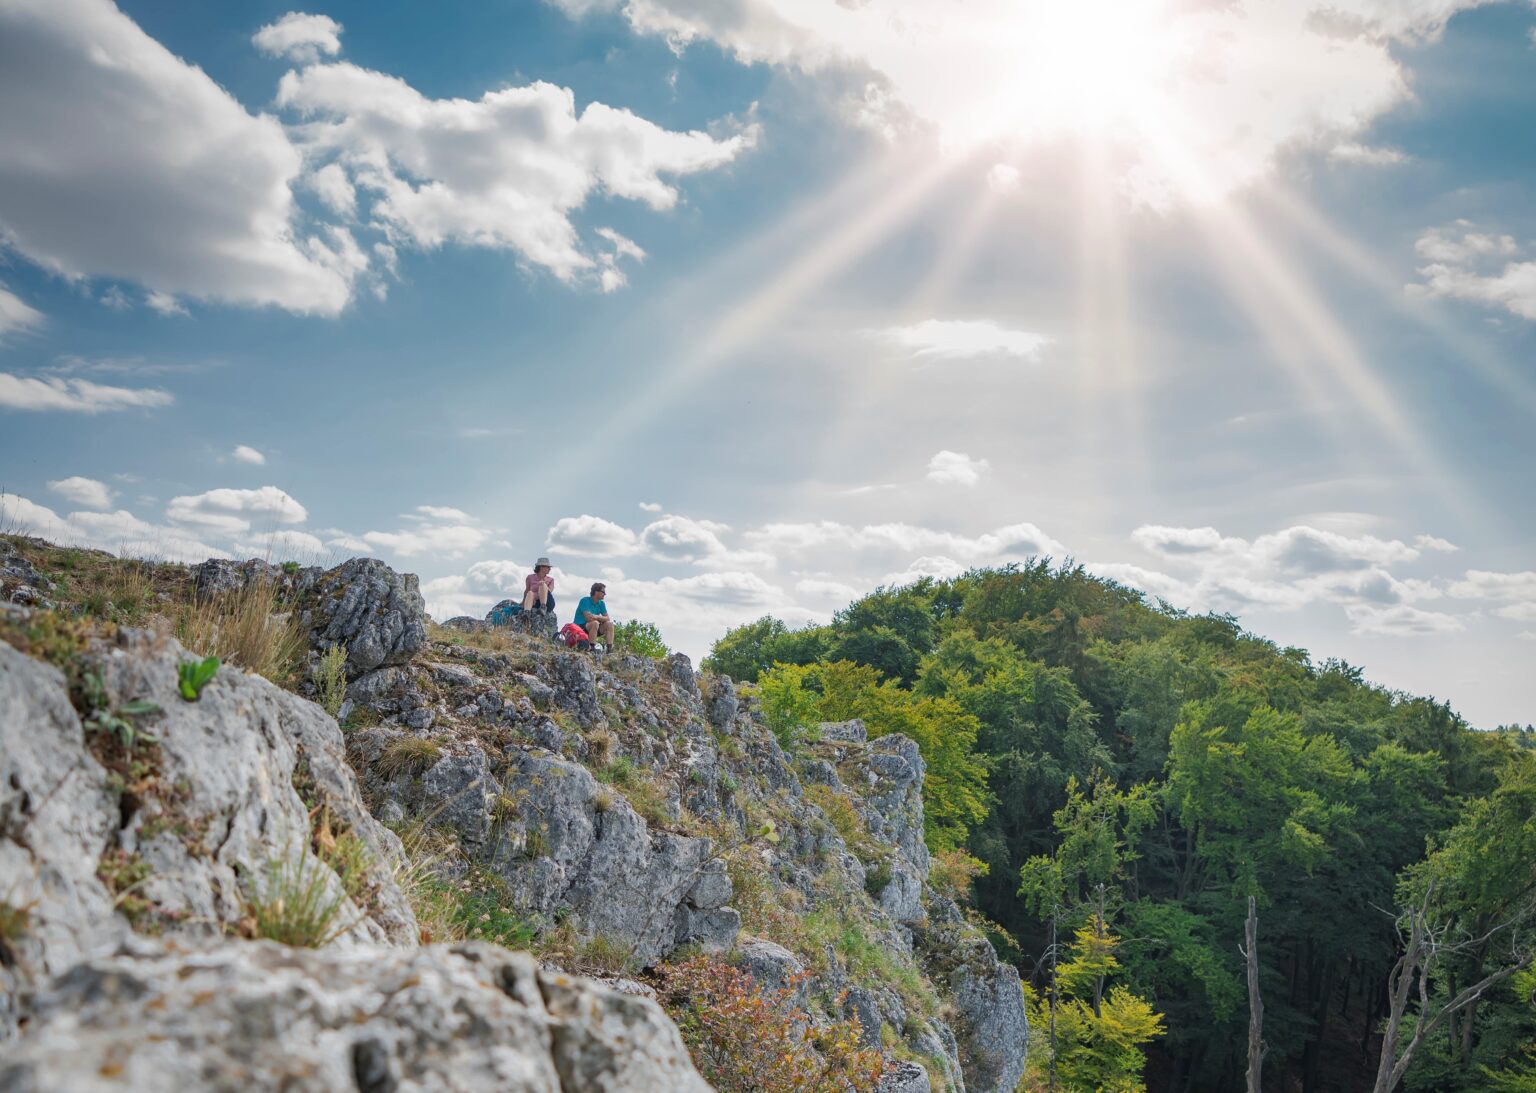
<point>904,540</point>
<point>1290,569</point>
<point>83,491</point>
<point>1465,264</point>
<point>592,537</point>
<point>299,37</point>
<point>120,532</point>
<point>165,304</point>
<point>441,513</point>
<point>1401,620</point>
<point>76,395</point>
<point>1231,84</point>
<point>1366,155</point>
<point>1003,178</point>
<point>650,506</point>
<point>286,544</point>
<point>956,468</point>
<point>449,541</point>
<point>16,315</point>
<point>963,339</point>
<point>244,453</point>
<point>233,512</point>
<point>118,159</point>
<point>939,568</point>
<point>1482,584</point>
<point>331,184</point>
<point>504,171</point>
<point>1520,612</point>
<point>816,588</point>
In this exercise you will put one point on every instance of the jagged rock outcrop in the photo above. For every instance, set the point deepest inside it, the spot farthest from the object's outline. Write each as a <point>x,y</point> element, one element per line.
<point>613,803</point>
<point>179,832</point>
<point>259,1016</point>
<point>608,792</point>
<point>20,582</point>
<point>376,613</point>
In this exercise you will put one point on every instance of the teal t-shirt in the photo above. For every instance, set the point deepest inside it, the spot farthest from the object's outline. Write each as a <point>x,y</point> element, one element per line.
<point>589,606</point>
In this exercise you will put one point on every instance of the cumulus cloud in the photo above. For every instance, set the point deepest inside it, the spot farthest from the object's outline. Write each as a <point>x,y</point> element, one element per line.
<point>504,171</point>
<point>244,453</point>
<point>592,537</point>
<point>16,315</point>
<point>1290,569</point>
<point>956,468</point>
<point>1012,542</point>
<point>436,531</point>
<point>963,339</point>
<point>1515,592</point>
<point>120,532</point>
<point>118,159</point>
<point>232,511</point>
<point>1464,263</point>
<point>299,37</point>
<point>1401,620</point>
<point>83,491</point>
<point>1027,72</point>
<point>76,395</point>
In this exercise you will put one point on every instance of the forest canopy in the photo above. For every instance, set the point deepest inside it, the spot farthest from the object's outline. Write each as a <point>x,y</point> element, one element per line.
<point>1128,775</point>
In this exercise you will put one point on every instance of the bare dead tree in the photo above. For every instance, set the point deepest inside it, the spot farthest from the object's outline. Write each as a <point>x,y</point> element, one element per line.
<point>1257,1049</point>
<point>1426,943</point>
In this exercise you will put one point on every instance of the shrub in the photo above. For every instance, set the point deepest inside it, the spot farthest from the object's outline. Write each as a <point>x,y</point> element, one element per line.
<point>641,637</point>
<point>329,674</point>
<point>790,708</point>
<point>296,902</point>
<point>744,1040</point>
<point>953,871</point>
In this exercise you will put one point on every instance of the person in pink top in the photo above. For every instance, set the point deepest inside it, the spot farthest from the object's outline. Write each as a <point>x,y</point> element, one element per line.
<point>539,588</point>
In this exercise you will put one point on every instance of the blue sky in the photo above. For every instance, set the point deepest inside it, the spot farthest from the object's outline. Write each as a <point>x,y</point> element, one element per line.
<point>749,309</point>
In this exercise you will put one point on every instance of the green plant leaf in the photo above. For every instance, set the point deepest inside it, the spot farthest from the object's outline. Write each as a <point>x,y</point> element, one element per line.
<point>194,675</point>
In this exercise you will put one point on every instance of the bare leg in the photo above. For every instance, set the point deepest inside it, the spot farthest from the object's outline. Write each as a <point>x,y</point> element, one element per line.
<point>528,600</point>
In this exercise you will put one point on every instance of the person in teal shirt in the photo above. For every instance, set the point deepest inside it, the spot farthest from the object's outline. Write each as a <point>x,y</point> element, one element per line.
<point>592,615</point>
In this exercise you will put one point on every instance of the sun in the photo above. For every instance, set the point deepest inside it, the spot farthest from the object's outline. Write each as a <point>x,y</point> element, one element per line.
<point>1032,72</point>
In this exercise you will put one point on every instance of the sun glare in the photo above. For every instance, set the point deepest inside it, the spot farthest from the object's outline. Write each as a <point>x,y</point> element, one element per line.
<point>1055,70</point>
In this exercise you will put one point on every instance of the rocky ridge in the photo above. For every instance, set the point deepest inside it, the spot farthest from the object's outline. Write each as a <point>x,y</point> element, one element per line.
<point>618,807</point>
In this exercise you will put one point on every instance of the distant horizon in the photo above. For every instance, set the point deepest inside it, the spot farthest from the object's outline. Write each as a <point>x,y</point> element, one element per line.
<point>1234,304</point>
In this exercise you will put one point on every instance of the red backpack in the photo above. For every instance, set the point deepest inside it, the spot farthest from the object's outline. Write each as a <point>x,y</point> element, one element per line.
<point>574,635</point>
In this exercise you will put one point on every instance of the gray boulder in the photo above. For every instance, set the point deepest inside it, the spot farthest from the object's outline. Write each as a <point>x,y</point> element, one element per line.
<point>225,576</point>
<point>844,732</point>
<point>251,1017</point>
<point>179,835</point>
<point>576,846</point>
<point>376,613</point>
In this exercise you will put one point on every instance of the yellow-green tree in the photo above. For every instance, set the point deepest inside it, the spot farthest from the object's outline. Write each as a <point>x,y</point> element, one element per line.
<point>1094,1041</point>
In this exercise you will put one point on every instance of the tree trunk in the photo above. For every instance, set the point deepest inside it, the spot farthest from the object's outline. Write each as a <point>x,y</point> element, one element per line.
<point>1255,1002</point>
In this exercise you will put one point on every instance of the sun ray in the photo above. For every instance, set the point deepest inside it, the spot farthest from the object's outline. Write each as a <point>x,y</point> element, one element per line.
<point>1303,332</point>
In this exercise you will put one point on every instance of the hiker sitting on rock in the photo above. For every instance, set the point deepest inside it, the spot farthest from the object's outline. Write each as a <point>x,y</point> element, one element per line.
<point>592,615</point>
<point>539,588</point>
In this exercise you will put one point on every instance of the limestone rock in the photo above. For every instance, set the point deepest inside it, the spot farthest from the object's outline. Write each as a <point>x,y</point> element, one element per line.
<point>257,1016</point>
<point>598,860</point>
<point>191,829</point>
<point>376,613</point>
<point>845,732</point>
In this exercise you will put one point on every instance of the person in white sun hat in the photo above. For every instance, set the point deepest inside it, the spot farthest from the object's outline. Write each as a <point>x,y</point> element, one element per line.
<point>539,588</point>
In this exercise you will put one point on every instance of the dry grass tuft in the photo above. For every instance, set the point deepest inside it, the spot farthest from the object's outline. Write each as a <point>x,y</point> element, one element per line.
<point>246,628</point>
